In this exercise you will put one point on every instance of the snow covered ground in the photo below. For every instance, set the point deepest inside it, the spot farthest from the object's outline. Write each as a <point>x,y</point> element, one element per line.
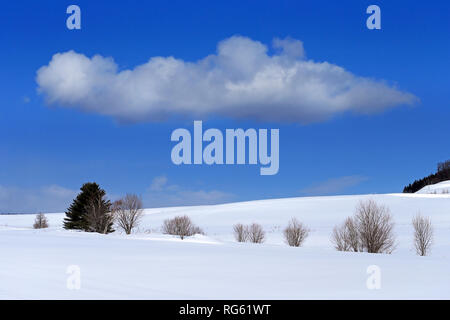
<point>149,265</point>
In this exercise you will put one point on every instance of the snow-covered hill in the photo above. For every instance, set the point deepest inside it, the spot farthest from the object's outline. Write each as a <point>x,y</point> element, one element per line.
<point>149,265</point>
<point>438,188</point>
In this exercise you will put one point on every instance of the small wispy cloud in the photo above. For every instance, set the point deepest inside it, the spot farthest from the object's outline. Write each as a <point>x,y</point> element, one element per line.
<point>52,198</point>
<point>158,183</point>
<point>333,186</point>
<point>161,193</point>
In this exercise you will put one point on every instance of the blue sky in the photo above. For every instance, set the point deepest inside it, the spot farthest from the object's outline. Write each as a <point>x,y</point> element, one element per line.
<point>49,149</point>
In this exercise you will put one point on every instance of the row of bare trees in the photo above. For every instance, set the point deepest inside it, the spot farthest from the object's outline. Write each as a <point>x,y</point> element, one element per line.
<point>295,233</point>
<point>371,230</point>
<point>127,214</point>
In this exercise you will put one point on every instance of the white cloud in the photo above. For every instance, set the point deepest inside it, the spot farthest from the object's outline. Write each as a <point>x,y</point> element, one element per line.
<point>241,80</point>
<point>334,185</point>
<point>158,183</point>
<point>161,194</point>
<point>51,198</point>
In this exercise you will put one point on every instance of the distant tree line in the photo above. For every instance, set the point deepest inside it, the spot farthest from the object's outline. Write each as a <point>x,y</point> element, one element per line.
<point>442,174</point>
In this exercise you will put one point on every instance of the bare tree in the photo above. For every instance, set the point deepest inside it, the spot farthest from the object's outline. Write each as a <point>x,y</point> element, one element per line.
<point>370,230</point>
<point>240,232</point>
<point>40,222</point>
<point>181,226</point>
<point>256,233</point>
<point>127,212</point>
<point>346,237</point>
<point>295,233</point>
<point>98,217</point>
<point>423,235</point>
<point>375,227</point>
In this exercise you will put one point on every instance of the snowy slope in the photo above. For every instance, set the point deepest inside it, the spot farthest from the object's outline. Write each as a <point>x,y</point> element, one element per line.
<point>149,265</point>
<point>438,188</point>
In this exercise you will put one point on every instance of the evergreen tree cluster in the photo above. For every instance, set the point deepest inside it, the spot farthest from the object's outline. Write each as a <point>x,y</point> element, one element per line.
<point>442,174</point>
<point>90,211</point>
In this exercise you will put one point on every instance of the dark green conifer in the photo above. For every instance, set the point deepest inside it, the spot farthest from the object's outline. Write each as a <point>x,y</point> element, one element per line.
<point>89,211</point>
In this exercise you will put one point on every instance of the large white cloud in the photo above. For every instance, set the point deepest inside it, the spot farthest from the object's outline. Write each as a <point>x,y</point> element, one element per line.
<point>242,80</point>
